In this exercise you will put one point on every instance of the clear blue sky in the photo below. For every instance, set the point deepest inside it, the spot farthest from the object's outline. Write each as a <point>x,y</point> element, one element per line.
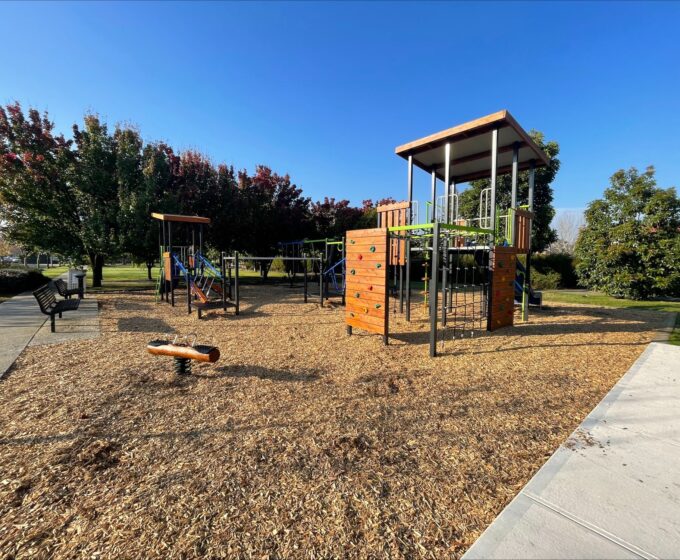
<point>325,91</point>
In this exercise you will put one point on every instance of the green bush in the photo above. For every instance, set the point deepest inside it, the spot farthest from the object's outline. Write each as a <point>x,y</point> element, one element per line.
<point>16,280</point>
<point>545,281</point>
<point>561,264</point>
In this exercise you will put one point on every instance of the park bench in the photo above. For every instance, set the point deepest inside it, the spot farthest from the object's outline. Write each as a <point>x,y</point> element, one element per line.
<point>50,306</point>
<point>65,291</point>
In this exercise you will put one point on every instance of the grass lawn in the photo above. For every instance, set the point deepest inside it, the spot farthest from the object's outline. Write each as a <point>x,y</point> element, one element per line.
<point>594,298</point>
<point>130,277</point>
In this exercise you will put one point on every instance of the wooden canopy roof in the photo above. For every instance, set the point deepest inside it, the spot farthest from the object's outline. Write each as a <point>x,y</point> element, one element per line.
<point>180,218</point>
<point>471,148</point>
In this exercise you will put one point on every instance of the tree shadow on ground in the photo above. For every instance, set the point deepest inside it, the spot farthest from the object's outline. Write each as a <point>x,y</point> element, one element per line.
<point>264,373</point>
<point>144,324</point>
<point>601,321</point>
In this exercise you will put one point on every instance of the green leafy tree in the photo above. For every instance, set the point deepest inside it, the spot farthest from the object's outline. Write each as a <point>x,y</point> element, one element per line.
<point>542,234</point>
<point>95,184</point>
<point>630,245</point>
<point>274,211</point>
<point>39,207</point>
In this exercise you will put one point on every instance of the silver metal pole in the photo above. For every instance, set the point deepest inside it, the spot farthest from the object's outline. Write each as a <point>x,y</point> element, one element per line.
<point>515,160</point>
<point>527,272</point>
<point>494,170</point>
<point>434,197</point>
<point>447,180</point>
<point>532,178</point>
<point>410,180</point>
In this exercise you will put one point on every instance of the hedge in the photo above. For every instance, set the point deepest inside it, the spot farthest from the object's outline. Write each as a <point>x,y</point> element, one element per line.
<point>554,268</point>
<point>16,280</point>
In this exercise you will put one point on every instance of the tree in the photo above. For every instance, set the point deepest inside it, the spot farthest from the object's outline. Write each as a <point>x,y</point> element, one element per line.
<point>95,183</point>
<point>274,210</point>
<point>542,234</point>
<point>567,226</point>
<point>332,219</point>
<point>630,245</point>
<point>39,206</point>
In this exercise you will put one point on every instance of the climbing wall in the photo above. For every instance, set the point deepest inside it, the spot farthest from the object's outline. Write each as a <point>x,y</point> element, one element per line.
<point>502,265</point>
<point>366,295</point>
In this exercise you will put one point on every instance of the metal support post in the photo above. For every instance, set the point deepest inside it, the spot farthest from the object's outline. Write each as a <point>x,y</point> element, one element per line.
<point>236,293</point>
<point>434,198</point>
<point>410,181</point>
<point>527,273</point>
<point>321,262</point>
<point>447,180</point>
<point>434,290</point>
<point>494,171</point>
<point>407,244</point>
<point>304,268</point>
<point>445,283</point>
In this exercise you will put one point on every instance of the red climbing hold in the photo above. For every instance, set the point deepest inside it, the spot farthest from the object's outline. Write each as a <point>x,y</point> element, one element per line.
<point>370,288</point>
<point>360,257</point>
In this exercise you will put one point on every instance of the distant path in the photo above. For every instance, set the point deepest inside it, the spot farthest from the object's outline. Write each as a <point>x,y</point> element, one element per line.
<point>612,490</point>
<point>22,323</point>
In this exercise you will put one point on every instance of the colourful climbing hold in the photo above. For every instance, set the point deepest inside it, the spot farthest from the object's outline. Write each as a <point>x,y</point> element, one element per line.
<point>351,314</point>
<point>372,249</point>
<point>360,257</point>
<point>378,265</point>
<point>357,294</point>
<point>370,288</point>
<point>352,271</point>
<point>378,306</point>
<point>352,241</point>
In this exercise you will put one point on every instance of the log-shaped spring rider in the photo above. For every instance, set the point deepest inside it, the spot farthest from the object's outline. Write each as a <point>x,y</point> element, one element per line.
<point>183,352</point>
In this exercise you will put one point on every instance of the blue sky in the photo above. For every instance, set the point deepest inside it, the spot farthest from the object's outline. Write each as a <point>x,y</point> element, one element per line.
<point>326,91</point>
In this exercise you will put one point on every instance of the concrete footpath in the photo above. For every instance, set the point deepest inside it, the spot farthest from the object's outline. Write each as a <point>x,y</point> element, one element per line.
<point>612,490</point>
<point>22,323</point>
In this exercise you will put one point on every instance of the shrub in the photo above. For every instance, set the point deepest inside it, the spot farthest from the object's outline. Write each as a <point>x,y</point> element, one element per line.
<point>560,263</point>
<point>548,281</point>
<point>15,280</point>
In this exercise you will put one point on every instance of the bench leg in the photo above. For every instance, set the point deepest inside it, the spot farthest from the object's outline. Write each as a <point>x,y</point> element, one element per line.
<point>60,314</point>
<point>52,322</point>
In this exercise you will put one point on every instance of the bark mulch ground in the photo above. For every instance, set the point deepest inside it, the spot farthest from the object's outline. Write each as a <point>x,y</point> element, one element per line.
<point>300,441</point>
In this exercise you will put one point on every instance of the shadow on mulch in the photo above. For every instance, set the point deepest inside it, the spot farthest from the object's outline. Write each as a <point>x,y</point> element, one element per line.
<point>143,324</point>
<point>263,373</point>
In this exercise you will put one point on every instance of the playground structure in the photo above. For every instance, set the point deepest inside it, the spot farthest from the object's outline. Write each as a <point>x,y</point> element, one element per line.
<point>207,286</point>
<point>323,259</point>
<point>321,262</point>
<point>472,262</point>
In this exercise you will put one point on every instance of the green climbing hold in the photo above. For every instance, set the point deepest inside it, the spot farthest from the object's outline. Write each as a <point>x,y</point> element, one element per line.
<point>378,306</point>
<point>351,241</point>
<point>352,271</point>
<point>357,294</point>
<point>372,249</point>
<point>379,265</point>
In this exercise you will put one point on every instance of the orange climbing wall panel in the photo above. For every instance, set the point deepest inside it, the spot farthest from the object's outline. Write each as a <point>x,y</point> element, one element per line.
<point>502,263</point>
<point>391,215</point>
<point>366,294</point>
<point>523,230</point>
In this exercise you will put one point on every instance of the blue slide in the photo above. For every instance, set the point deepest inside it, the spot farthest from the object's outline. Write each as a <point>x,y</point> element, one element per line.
<point>535,298</point>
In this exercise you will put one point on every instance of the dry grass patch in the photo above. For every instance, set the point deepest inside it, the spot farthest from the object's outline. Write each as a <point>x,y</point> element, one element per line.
<point>300,441</point>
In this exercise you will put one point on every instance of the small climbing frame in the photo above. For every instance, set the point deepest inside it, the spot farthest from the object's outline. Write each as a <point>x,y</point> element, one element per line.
<point>502,264</point>
<point>366,293</point>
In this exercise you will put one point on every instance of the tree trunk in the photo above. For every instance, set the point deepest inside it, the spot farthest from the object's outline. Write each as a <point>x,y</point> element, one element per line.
<point>97,262</point>
<point>149,266</point>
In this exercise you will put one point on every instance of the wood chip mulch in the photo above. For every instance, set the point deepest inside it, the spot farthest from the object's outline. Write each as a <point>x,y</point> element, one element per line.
<point>300,442</point>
